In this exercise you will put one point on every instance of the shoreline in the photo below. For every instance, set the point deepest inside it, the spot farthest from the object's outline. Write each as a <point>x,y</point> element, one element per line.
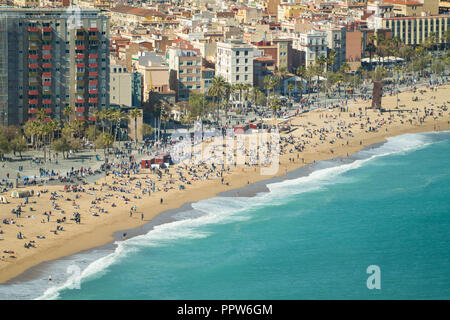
<point>250,190</point>
<point>99,234</point>
<point>35,272</point>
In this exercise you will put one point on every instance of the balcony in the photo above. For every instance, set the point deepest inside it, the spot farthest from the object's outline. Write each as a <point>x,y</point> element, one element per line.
<point>93,100</point>
<point>79,117</point>
<point>47,47</point>
<point>47,93</point>
<point>79,56</point>
<point>46,29</point>
<point>47,119</point>
<point>93,38</point>
<point>95,29</point>
<point>33,37</point>
<point>93,56</point>
<point>48,110</point>
<point>47,101</point>
<point>79,100</point>
<point>32,111</point>
<point>81,65</point>
<point>32,74</point>
<point>92,118</point>
<point>33,101</point>
<point>79,109</point>
<point>47,83</point>
<point>93,82</point>
<point>79,37</point>
<point>33,29</point>
<point>47,37</point>
<point>47,65</point>
<point>93,74</point>
<point>80,74</point>
<point>82,47</point>
<point>33,92</point>
<point>47,56</point>
<point>33,66</point>
<point>33,56</point>
<point>93,65</point>
<point>93,91</point>
<point>46,74</point>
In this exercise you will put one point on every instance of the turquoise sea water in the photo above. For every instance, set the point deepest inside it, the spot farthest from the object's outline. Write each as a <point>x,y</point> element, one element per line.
<point>308,238</point>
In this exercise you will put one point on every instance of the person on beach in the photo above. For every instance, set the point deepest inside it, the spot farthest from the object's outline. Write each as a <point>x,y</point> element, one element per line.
<point>142,217</point>
<point>161,201</point>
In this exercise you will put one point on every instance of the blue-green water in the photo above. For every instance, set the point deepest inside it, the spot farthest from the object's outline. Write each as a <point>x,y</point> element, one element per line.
<point>308,238</point>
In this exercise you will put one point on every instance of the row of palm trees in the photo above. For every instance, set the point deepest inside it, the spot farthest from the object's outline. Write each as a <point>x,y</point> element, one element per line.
<point>70,133</point>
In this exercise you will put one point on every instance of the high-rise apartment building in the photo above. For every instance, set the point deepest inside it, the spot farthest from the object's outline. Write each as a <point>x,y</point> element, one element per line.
<point>51,59</point>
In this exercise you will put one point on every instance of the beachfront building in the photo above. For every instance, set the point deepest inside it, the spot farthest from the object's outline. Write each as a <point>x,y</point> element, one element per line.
<point>125,87</point>
<point>414,30</point>
<point>314,43</point>
<point>278,49</point>
<point>207,76</point>
<point>50,61</point>
<point>185,63</point>
<point>235,61</point>
<point>336,39</point>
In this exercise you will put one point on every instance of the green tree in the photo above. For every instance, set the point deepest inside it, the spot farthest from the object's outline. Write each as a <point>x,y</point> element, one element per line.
<point>146,130</point>
<point>217,91</point>
<point>135,114</point>
<point>62,145</point>
<point>19,144</point>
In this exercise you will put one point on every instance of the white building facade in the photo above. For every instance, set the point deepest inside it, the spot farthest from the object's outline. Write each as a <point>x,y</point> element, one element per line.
<point>235,61</point>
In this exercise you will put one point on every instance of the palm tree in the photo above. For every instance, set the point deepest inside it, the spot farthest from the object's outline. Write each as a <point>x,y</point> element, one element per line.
<point>247,87</point>
<point>67,112</point>
<point>275,105</point>
<point>371,48</point>
<point>309,73</point>
<point>290,88</point>
<point>217,90</point>
<point>320,62</point>
<point>300,88</point>
<point>268,85</point>
<point>134,114</point>
<point>117,117</point>
<point>331,59</point>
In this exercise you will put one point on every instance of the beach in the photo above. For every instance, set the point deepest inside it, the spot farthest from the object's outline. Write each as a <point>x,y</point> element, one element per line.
<point>313,132</point>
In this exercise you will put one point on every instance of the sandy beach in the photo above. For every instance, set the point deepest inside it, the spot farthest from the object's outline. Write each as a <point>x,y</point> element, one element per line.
<point>106,206</point>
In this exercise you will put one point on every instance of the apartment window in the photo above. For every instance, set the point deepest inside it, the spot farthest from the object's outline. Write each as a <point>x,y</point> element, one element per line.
<point>246,77</point>
<point>237,53</point>
<point>237,69</point>
<point>246,69</point>
<point>237,78</point>
<point>246,52</point>
<point>237,61</point>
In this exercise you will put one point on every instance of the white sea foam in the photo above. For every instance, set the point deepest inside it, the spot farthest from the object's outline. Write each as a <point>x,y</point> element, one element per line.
<point>229,209</point>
